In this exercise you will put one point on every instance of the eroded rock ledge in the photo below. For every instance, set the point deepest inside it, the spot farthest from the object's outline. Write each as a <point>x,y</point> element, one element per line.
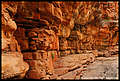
<point>40,32</point>
<point>12,58</point>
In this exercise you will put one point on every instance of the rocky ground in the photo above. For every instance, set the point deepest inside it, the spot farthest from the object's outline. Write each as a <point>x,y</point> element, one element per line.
<point>43,31</point>
<point>102,68</point>
<point>79,66</point>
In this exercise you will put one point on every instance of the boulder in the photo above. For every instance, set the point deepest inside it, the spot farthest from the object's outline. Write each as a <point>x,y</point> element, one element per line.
<point>13,65</point>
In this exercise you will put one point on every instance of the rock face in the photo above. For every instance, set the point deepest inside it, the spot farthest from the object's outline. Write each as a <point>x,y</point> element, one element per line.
<point>44,31</point>
<point>40,46</point>
<point>8,25</point>
<point>13,65</point>
<point>12,59</point>
<point>92,29</point>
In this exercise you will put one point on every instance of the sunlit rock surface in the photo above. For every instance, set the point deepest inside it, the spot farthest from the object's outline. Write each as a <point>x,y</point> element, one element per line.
<point>42,32</point>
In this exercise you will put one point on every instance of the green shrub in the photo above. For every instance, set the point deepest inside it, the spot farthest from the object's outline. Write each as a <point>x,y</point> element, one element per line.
<point>52,55</point>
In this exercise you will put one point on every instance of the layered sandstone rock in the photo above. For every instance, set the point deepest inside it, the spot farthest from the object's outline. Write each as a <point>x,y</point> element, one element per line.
<point>12,59</point>
<point>39,45</point>
<point>43,31</point>
<point>13,65</point>
<point>94,30</point>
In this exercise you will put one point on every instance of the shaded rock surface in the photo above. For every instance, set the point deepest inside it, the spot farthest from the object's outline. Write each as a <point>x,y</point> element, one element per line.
<point>13,64</point>
<point>44,31</point>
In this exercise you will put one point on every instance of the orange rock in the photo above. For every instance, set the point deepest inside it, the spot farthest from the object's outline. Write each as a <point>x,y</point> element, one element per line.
<point>36,55</point>
<point>33,74</point>
<point>32,34</point>
<point>27,55</point>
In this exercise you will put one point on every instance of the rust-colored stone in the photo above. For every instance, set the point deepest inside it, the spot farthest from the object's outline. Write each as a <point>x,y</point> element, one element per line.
<point>27,55</point>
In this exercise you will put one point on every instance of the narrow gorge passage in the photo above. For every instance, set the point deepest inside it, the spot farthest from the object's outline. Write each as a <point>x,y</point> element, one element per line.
<point>59,40</point>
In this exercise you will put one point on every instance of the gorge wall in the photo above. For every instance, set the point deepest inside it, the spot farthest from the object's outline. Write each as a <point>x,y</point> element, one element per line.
<point>41,32</point>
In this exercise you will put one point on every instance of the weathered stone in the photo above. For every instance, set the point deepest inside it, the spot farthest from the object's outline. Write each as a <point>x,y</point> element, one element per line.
<point>24,44</point>
<point>34,74</point>
<point>13,65</point>
<point>61,71</point>
<point>8,25</point>
<point>59,29</point>
<point>32,63</point>
<point>95,52</point>
<point>44,22</point>
<point>33,47</point>
<point>12,60</point>
<point>32,42</point>
<point>14,45</point>
<point>36,55</point>
<point>53,76</point>
<point>71,75</point>
<point>43,54</point>
<point>20,33</point>
<point>27,55</point>
<point>50,62</point>
<point>63,44</point>
<point>32,34</point>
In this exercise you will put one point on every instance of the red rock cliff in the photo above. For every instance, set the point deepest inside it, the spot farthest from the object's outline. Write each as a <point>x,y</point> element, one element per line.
<point>44,31</point>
